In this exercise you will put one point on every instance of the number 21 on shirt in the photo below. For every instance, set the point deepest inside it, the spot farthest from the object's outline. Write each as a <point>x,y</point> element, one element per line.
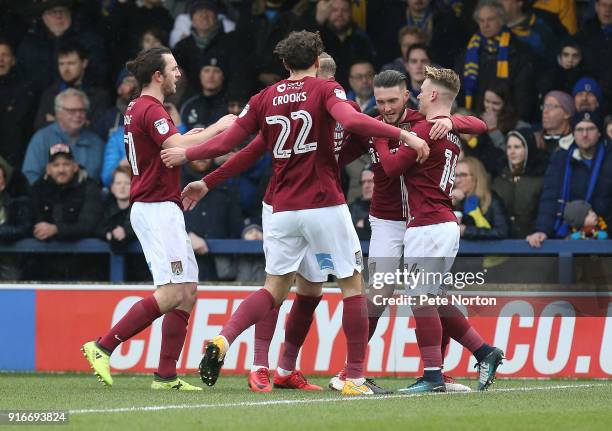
<point>300,146</point>
<point>129,141</point>
<point>448,175</point>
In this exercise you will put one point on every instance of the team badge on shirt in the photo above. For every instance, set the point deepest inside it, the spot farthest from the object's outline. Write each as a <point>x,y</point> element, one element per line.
<point>177,267</point>
<point>340,94</point>
<point>162,126</point>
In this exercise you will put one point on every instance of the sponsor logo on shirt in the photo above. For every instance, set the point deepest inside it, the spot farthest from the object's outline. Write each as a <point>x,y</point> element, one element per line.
<point>295,85</point>
<point>162,126</point>
<point>281,88</point>
<point>340,94</point>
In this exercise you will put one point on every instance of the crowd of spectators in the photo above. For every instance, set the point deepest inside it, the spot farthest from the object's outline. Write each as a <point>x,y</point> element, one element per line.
<point>536,72</point>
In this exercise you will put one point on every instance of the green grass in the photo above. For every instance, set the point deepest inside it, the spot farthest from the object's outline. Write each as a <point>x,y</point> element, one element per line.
<point>580,405</point>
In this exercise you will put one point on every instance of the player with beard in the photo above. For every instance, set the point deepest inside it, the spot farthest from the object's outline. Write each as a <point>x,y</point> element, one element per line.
<point>297,117</point>
<point>158,221</point>
<point>388,209</point>
<point>431,239</point>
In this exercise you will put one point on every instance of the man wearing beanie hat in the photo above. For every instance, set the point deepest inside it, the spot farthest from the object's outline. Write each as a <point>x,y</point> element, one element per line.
<point>587,95</point>
<point>557,111</point>
<point>207,107</point>
<point>584,222</point>
<point>582,172</point>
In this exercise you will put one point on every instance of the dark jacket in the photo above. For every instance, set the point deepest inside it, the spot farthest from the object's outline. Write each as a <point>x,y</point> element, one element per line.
<point>113,217</point>
<point>549,206</point>
<point>202,111</point>
<point>597,52</point>
<point>520,77</point>
<point>37,55</point>
<point>15,199</point>
<point>387,17</point>
<point>558,78</point>
<point>520,190</point>
<point>75,208</point>
<point>496,216</point>
<point>482,148</point>
<point>258,36</point>
<point>191,58</point>
<point>218,215</point>
<point>356,46</point>
<point>17,106</point>
<point>98,102</point>
<point>360,210</point>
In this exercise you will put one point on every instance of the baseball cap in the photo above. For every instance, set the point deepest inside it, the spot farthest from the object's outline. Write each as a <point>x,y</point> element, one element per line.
<point>589,85</point>
<point>591,116</point>
<point>60,150</point>
<point>203,4</point>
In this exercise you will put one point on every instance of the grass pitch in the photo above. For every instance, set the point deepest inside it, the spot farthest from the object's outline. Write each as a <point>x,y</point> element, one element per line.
<point>130,404</point>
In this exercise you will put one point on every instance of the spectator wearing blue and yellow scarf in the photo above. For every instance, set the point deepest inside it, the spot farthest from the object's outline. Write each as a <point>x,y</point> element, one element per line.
<point>483,215</point>
<point>494,55</point>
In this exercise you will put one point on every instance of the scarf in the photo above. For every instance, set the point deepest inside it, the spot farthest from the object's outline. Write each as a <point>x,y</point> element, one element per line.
<point>497,44</point>
<point>562,228</point>
<point>523,29</point>
<point>423,23</point>
<point>471,207</point>
<point>203,41</point>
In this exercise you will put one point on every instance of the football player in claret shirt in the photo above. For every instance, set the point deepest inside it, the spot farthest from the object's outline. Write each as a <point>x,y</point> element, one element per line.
<point>157,219</point>
<point>297,117</point>
<point>431,240</point>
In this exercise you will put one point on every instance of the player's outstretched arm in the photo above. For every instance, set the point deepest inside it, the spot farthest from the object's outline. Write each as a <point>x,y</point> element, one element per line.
<point>197,136</point>
<point>238,163</point>
<point>394,164</point>
<point>468,124</point>
<point>220,145</point>
<point>361,124</point>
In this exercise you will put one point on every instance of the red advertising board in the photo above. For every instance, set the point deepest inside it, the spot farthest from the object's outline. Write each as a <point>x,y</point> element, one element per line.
<point>537,340</point>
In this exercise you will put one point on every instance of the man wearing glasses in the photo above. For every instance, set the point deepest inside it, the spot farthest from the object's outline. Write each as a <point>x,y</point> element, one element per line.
<point>71,107</point>
<point>582,172</point>
<point>557,111</point>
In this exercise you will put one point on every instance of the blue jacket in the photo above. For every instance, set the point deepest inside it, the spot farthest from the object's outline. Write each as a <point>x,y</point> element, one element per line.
<point>114,152</point>
<point>88,151</point>
<point>601,200</point>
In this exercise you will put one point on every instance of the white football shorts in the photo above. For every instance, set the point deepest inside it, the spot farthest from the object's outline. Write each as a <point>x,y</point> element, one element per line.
<point>160,228</point>
<point>309,268</point>
<point>386,246</point>
<point>325,233</point>
<point>429,253</point>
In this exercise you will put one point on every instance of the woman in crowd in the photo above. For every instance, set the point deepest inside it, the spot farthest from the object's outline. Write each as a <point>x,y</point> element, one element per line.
<point>520,183</point>
<point>482,212</point>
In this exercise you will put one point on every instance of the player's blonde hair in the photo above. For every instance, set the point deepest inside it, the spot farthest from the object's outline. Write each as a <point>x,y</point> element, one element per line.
<point>327,66</point>
<point>482,188</point>
<point>446,78</point>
